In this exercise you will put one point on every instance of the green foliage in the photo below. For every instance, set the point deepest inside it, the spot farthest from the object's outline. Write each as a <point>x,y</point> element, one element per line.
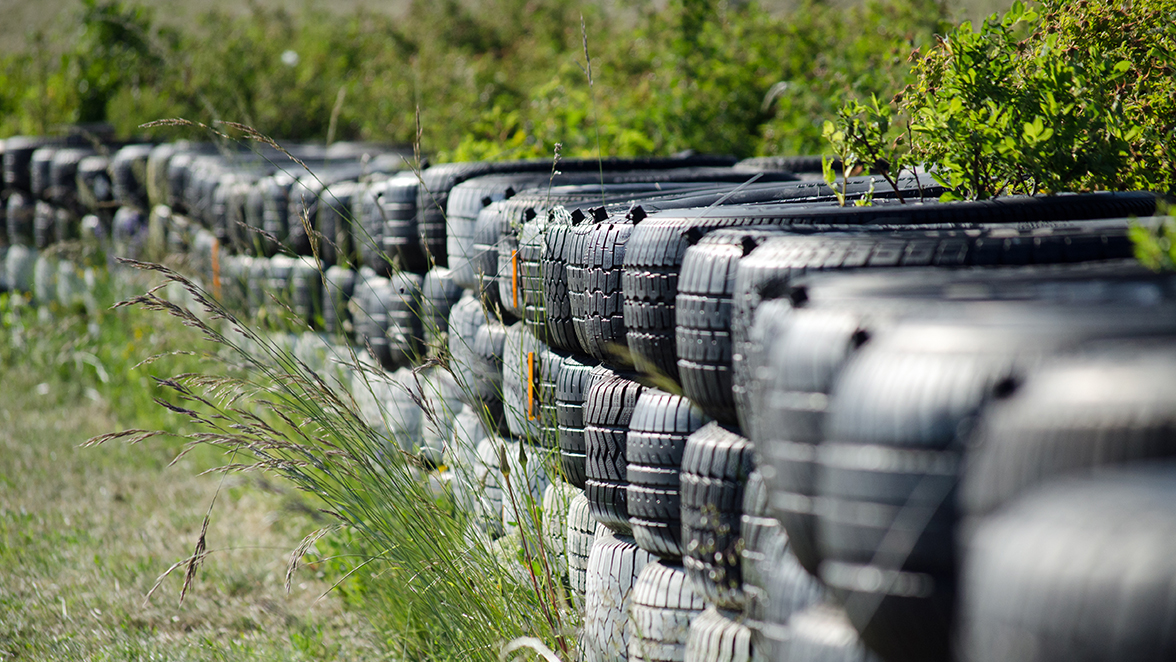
<point>501,80</point>
<point>1155,247</point>
<point>1071,96</point>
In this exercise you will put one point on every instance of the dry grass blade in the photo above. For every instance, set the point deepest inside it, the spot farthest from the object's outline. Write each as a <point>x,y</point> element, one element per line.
<point>300,551</point>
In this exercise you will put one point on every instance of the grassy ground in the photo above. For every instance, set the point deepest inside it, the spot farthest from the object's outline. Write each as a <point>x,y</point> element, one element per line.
<point>85,532</point>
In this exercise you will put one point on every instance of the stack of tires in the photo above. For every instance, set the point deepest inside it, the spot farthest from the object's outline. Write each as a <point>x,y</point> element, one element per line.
<point>736,420</point>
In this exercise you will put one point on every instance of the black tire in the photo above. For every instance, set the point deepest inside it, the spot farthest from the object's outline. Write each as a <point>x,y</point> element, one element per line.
<point>462,457</point>
<point>888,467</point>
<point>572,384</point>
<point>128,173</point>
<point>1073,417</point>
<point>718,636</point>
<point>334,223</point>
<point>306,291</point>
<point>775,586</point>
<point>550,364</point>
<point>95,193</point>
<point>664,605</point>
<point>654,447</point>
<point>338,287</point>
<point>557,502</point>
<point>40,184</point>
<point>486,372</point>
<point>44,225</point>
<point>655,250</point>
<point>608,409</point>
<point>555,288</point>
<point>18,157</point>
<point>715,466</point>
<point>65,225</point>
<point>21,212</point>
<point>613,567</point>
<point>438,294</point>
<point>465,204</point>
<point>275,211</point>
<point>809,349</point>
<point>386,319</point>
<point>303,207</point>
<point>1079,570</point>
<point>368,233</point>
<point>768,270</point>
<point>529,480</point>
<point>487,235</point>
<point>440,405</point>
<point>438,181</point>
<point>594,287</point>
<point>19,263</point>
<point>706,285</point>
<point>400,232</point>
<point>466,317</point>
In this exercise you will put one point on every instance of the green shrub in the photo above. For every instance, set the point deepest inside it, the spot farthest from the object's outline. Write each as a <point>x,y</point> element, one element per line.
<point>1072,96</point>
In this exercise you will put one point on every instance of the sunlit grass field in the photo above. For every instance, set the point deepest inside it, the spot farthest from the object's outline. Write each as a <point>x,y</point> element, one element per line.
<point>86,532</point>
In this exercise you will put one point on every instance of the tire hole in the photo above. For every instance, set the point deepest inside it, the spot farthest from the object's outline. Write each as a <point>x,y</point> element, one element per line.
<point>1005,388</point>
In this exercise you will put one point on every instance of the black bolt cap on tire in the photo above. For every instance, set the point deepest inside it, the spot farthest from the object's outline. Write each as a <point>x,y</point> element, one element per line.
<point>1111,405</point>
<point>1079,570</point>
<point>654,448</point>
<point>607,412</point>
<point>715,467</point>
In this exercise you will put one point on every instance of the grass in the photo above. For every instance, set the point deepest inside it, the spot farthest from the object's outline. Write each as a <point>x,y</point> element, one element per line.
<point>86,532</point>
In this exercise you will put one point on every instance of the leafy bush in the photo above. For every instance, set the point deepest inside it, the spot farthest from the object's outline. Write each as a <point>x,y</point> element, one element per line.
<point>1071,96</point>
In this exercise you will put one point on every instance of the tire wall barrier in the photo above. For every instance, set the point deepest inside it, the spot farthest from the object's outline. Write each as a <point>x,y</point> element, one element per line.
<point>740,421</point>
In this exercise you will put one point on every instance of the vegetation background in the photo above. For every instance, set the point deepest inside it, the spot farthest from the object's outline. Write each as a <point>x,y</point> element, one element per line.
<point>491,80</point>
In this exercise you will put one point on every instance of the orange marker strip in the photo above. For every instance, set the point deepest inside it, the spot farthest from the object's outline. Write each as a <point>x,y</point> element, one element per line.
<point>216,279</point>
<point>531,386</point>
<point>514,278</point>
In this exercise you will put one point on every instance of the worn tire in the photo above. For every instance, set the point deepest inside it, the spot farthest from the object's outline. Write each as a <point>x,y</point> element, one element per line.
<point>1074,417</point>
<point>614,565</point>
<point>706,286</point>
<point>654,446</point>
<point>767,272</point>
<point>608,409</point>
<point>715,466</point>
<point>1080,569</point>
<point>718,636</point>
<point>664,605</point>
<point>521,363</point>
<point>572,383</point>
<point>580,535</point>
<point>438,294</point>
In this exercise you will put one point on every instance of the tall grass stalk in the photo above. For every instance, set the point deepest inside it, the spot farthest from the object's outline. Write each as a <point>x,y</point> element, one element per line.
<point>448,594</point>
